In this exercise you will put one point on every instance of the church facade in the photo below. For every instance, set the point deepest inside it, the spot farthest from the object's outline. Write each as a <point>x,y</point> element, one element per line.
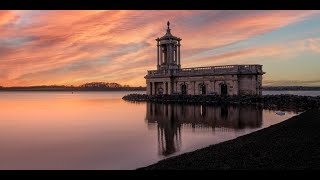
<point>170,78</point>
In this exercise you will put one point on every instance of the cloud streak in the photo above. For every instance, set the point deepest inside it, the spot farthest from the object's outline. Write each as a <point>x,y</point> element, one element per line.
<point>74,47</point>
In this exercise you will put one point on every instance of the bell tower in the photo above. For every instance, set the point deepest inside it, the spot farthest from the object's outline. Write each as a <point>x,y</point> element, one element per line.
<point>168,54</point>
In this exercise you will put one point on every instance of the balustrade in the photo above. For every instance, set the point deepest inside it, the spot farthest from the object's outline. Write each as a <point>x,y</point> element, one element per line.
<point>210,70</point>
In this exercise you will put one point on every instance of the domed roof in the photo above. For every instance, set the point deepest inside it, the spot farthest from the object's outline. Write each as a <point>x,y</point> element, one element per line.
<point>168,34</point>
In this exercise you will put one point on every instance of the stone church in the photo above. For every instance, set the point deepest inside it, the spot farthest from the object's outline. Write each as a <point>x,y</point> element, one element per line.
<point>170,78</point>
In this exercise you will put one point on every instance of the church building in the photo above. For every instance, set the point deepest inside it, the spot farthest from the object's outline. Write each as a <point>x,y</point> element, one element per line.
<point>170,78</point>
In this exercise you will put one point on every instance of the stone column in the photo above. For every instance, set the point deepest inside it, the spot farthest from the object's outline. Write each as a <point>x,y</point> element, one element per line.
<point>161,52</point>
<point>169,88</point>
<point>196,88</point>
<point>153,88</point>
<point>236,87</point>
<point>171,53</point>
<point>175,87</point>
<point>178,88</point>
<point>148,88</point>
<point>191,88</point>
<point>175,54</point>
<point>213,86</point>
<point>158,60</point>
<point>179,53</point>
<point>168,54</point>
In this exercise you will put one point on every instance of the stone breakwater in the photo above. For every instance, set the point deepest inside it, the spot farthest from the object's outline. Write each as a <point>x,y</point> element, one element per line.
<point>284,102</point>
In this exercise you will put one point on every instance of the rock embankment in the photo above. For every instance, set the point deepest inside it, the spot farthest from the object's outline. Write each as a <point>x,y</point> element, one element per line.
<point>267,101</point>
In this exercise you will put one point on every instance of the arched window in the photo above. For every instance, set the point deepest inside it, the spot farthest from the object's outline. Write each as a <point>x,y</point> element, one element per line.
<point>224,89</point>
<point>202,88</point>
<point>183,89</point>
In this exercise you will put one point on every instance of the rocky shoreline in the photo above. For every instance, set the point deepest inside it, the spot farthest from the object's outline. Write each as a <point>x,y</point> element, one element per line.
<point>292,144</point>
<point>282,102</point>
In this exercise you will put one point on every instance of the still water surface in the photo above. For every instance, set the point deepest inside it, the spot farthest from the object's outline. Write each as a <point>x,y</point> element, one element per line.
<point>98,130</point>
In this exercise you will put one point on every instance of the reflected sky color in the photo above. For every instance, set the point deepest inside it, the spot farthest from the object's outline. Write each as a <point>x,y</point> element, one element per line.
<point>74,47</point>
<point>99,130</point>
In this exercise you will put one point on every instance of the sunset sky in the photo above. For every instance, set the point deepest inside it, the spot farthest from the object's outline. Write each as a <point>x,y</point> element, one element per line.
<point>75,47</point>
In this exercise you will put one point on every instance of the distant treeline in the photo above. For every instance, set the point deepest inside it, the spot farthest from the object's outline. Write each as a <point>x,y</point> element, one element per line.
<point>93,86</point>
<point>291,88</point>
<point>105,86</point>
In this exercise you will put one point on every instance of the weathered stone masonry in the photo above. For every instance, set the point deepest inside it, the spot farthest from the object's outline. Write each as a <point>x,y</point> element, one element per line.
<point>170,78</point>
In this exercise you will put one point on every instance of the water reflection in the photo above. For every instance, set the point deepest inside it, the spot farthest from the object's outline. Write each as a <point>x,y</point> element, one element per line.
<point>99,130</point>
<point>171,118</point>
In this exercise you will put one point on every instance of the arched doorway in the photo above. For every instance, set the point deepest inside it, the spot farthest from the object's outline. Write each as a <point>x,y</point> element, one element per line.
<point>202,88</point>
<point>224,89</point>
<point>160,91</point>
<point>183,89</point>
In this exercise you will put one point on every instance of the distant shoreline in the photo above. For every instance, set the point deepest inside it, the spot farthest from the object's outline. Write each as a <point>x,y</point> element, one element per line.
<point>138,89</point>
<point>291,88</point>
<point>71,89</point>
<point>124,88</point>
<point>65,90</point>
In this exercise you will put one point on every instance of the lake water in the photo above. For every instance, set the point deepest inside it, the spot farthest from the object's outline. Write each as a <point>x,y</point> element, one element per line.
<point>99,130</point>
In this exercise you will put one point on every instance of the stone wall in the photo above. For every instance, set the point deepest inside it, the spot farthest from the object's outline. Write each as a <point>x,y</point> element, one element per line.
<point>164,83</point>
<point>235,84</point>
<point>212,84</point>
<point>250,84</point>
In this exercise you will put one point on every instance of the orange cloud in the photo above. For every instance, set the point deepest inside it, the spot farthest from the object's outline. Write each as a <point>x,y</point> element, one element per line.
<point>6,17</point>
<point>74,47</point>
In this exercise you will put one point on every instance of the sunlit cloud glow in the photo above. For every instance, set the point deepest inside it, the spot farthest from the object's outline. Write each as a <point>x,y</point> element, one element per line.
<point>75,47</point>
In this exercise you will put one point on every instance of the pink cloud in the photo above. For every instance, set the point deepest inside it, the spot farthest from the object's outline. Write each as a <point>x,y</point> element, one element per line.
<point>73,47</point>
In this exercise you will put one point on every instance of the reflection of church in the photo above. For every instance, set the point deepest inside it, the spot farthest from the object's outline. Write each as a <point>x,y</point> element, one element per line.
<point>170,78</point>
<point>170,118</point>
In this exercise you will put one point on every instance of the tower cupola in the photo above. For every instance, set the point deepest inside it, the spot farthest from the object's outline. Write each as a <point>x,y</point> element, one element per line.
<point>168,56</point>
